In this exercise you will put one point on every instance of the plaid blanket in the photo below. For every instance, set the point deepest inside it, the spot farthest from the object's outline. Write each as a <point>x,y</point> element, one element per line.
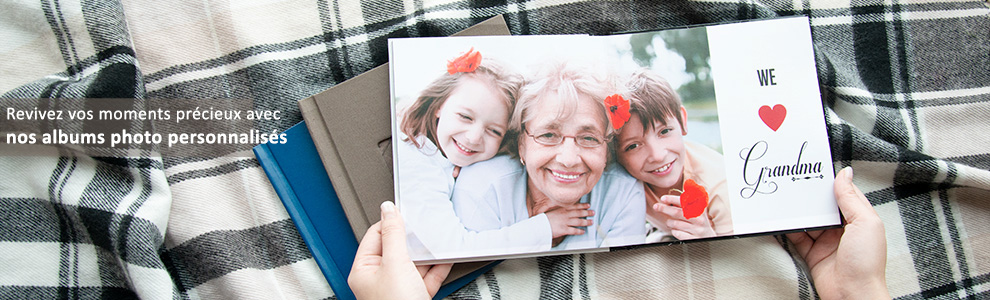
<point>906,85</point>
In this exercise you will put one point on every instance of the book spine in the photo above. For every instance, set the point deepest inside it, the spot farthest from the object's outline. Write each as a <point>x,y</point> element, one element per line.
<point>333,274</point>
<point>333,164</point>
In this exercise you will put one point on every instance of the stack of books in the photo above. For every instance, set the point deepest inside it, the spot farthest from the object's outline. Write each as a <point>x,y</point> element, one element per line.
<point>335,170</point>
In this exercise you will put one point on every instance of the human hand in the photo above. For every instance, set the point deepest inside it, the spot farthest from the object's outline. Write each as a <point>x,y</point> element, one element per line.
<point>680,227</point>
<point>566,220</point>
<point>848,262</point>
<point>382,268</point>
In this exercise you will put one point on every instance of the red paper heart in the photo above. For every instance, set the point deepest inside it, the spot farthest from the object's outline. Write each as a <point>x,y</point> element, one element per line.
<point>773,117</point>
<point>694,199</point>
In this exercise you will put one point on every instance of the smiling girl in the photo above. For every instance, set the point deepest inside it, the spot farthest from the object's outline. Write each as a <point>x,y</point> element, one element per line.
<point>460,119</point>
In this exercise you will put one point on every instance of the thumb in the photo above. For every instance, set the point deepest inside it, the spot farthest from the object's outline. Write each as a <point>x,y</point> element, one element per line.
<point>393,235</point>
<point>435,276</point>
<point>852,203</point>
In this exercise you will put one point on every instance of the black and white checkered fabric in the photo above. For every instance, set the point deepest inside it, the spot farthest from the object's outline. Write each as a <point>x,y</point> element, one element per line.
<point>906,84</point>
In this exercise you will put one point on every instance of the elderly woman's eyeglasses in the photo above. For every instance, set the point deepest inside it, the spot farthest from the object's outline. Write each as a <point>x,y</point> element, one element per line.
<point>552,138</point>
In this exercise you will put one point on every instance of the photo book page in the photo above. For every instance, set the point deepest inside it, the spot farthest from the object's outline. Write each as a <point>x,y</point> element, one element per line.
<point>518,146</point>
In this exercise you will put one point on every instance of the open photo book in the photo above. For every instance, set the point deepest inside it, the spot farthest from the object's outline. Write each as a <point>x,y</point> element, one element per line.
<point>515,146</point>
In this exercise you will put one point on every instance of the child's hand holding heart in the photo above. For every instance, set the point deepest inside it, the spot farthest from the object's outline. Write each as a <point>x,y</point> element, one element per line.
<point>687,214</point>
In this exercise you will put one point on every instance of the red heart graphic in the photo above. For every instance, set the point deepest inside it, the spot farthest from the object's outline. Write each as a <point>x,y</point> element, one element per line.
<point>694,199</point>
<point>773,117</point>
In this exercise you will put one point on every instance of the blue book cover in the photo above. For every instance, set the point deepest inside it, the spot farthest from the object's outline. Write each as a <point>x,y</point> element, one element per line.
<point>301,182</point>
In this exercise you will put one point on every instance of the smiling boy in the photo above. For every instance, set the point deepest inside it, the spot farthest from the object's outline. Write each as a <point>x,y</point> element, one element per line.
<point>652,148</point>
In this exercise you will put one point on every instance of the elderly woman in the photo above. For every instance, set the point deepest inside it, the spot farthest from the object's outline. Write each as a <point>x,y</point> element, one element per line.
<point>559,156</point>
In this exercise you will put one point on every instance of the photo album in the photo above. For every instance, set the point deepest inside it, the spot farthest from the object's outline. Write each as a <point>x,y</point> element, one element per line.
<point>519,146</point>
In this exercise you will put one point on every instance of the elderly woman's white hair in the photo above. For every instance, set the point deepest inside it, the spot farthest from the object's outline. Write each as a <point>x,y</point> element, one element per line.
<point>565,83</point>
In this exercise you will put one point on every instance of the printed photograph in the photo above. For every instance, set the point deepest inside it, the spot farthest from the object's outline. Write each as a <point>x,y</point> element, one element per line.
<point>516,145</point>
